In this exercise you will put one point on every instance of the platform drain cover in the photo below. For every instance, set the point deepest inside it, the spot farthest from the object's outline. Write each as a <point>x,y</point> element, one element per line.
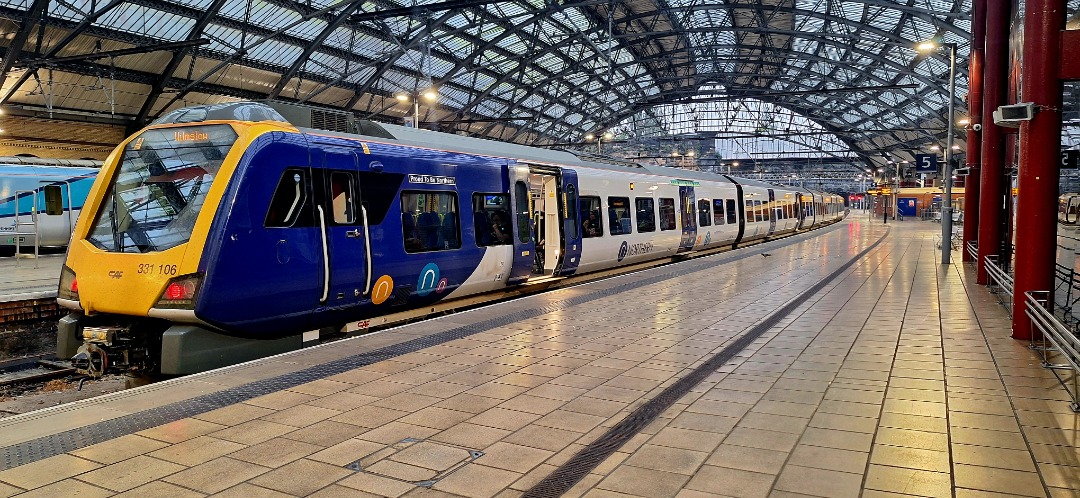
<point>415,461</point>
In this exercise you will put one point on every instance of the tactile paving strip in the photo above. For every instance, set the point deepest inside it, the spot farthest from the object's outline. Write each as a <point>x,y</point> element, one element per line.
<point>73,439</point>
<point>588,458</point>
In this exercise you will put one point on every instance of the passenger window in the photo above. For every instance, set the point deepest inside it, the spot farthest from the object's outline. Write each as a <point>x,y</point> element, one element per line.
<point>429,221</point>
<point>287,205</point>
<point>343,197</point>
<point>491,219</point>
<point>667,214</point>
<point>646,214</point>
<point>718,212</point>
<point>704,213</point>
<point>750,218</point>
<point>619,215</point>
<point>591,224</point>
<point>759,215</point>
<point>380,192</point>
<point>732,213</point>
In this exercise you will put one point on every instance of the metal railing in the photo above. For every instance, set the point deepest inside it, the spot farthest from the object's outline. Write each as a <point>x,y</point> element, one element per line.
<point>1000,280</point>
<point>1055,339</point>
<point>21,225</point>
<point>973,249</point>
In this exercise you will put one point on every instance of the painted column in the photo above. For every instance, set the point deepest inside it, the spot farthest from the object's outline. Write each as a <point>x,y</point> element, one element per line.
<point>974,143</point>
<point>992,170</point>
<point>1040,150</point>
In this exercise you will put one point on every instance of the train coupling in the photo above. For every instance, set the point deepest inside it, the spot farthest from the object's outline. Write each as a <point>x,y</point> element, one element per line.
<point>92,357</point>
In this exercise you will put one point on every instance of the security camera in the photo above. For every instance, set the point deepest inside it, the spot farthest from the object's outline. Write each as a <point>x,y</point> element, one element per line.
<point>976,127</point>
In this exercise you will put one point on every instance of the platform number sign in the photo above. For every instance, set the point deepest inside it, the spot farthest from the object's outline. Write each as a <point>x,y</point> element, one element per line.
<point>926,163</point>
<point>1069,159</point>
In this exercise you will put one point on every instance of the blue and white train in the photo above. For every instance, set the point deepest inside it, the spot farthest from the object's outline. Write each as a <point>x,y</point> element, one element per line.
<point>220,233</point>
<point>23,216</point>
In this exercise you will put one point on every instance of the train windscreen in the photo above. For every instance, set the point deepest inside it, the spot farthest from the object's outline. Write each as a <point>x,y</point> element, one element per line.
<point>159,188</point>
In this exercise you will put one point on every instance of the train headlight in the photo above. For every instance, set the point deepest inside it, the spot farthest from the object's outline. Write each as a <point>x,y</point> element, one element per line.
<point>180,292</point>
<point>69,286</point>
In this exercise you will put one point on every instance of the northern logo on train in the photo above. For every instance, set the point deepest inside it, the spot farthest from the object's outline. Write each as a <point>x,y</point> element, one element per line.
<point>429,279</point>
<point>627,249</point>
<point>383,289</point>
<point>708,237</point>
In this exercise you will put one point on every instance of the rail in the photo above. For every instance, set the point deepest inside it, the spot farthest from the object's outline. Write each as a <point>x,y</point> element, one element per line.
<point>972,249</point>
<point>999,279</point>
<point>1055,339</point>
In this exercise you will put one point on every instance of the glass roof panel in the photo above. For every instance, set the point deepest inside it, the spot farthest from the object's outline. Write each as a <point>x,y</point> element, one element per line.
<point>149,22</point>
<point>550,58</point>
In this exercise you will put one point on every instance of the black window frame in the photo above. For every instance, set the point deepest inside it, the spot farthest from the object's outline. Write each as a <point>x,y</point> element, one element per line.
<point>299,210</point>
<point>662,222</point>
<point>596,207</point>
<point>648,225</point>
<point>613,211</point>
<point>719,212</point>
<point>352,210</point>
<point>705,214</point>
<point>440,227</point>
<point>480,207</point>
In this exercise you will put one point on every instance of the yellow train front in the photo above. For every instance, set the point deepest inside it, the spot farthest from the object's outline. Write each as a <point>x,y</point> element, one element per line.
<point>138,255</point>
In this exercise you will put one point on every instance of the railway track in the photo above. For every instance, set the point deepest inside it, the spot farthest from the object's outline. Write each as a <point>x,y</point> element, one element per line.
<point>32,369</point>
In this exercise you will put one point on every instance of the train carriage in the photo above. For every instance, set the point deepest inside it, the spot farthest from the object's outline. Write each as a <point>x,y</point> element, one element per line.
<point>222,233</point>
<point>24,217</point>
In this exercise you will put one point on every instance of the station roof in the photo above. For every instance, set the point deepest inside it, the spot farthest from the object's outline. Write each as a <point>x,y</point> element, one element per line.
<point>529,71</point>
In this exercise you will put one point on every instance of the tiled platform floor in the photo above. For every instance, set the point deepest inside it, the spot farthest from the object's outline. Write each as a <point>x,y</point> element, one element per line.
<point>898,379</point>
<point>20,280</point>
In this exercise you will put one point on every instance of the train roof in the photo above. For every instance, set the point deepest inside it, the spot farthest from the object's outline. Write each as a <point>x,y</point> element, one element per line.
<point>49,171</point>
<point>345,125</point>
<point>44,161</point>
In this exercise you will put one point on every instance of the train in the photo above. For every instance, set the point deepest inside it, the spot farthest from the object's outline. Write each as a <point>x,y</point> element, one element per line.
<point>1069,208</point>
<point>24,217</point>
<point>228,232</point>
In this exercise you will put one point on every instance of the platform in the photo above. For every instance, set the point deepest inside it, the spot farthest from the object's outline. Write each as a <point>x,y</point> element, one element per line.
<point>21,279</point>
<point>848,363</point>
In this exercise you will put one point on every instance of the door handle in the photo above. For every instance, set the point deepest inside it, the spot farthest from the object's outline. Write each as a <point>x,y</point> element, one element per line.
<point>353,234</point>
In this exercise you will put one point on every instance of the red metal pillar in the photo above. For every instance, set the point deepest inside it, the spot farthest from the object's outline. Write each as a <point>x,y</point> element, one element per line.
<point>974,101</point>
<point>1040,149</point>
<point>992,170</point>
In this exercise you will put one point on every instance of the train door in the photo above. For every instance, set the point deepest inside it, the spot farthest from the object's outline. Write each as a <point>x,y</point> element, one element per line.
<point>771,212</point>
<point>525,250</point>
<point>56,221</point>
<point>689,221</point>
<point>571,233</point>
<point>800,212</point>
<point>740,196</point>
<point>342,220</point>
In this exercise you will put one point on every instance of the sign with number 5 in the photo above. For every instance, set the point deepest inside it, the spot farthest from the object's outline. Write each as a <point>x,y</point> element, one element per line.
<point>926,163</point>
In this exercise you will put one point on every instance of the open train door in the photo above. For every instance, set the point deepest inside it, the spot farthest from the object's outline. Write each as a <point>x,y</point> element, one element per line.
<point>771,212</point>
<point>524,246</point>
<point>571,226</point>
<point>800,211</point>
